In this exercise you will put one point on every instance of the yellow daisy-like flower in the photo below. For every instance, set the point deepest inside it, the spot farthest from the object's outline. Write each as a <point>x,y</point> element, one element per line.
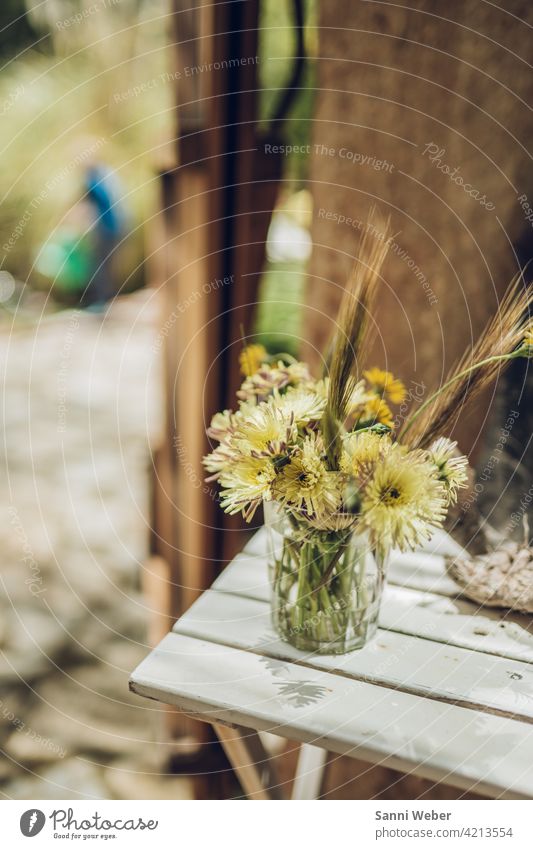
<point>264,428</point>
<point>221,424</point>
<point>377,411</point>
<point>271,378</point>
<point>403,501</point>
<point>361,451</point>
<point>451,466</point>
<point>305,484</point>
<point>219,460</point>
<point>386,385</point>
<point>251,358</point>
<point>246,483</point>
<point>304,405</point>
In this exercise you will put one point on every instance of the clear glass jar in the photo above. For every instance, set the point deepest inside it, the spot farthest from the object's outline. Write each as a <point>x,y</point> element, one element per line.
<point>326,586</point>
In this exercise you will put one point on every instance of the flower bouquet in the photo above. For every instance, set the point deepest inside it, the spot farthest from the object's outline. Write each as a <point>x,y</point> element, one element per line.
<point>340,487</point>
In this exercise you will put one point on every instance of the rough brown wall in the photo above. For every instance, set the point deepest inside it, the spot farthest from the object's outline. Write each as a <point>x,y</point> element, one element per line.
<point>391,81</point>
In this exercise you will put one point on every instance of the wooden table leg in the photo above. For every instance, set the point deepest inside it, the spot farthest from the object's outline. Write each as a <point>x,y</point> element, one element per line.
<point>310,771</point>
<point>252,765</point>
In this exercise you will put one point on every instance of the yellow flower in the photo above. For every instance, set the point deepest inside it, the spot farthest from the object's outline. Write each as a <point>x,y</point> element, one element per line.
<point>219,460</point>
<point>264,428</point>
<point>386,385</point>
<point>304,405</point>
<point>246,483</point>
<point>403,501</point>
<point>251,358</point>
<point>221,424</point>
<point>528,339</point>
<point>451,466</point>
<point>305,484</point>
<point>377,411</point>
<point>271,378</point>
<point>361,451</point>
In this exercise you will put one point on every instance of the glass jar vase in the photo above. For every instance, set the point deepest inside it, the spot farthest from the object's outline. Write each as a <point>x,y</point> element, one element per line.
<point>326,586</point>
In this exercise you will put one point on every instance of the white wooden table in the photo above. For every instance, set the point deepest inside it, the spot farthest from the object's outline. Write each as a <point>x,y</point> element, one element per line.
<point>444,691</point>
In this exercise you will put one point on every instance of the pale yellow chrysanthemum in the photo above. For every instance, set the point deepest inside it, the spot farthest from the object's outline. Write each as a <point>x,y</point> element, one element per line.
<point>321,387</point>
<point>221,424</point>
<point>361,451</point>
<point>386,385</point>
<point>305,484</point>
<point>264,428</point>
<point>451,466</point>
<point>403,501</point>
<point>271,378</point>
<point>251,357</point>
<point>304,405</point>
<point>219,460</point>
<point>246,483</point>
<point>299,373</point>
<point>377,411</point>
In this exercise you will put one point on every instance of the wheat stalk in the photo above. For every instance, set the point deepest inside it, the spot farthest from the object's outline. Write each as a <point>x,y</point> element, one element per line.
<point>352,332</point>
<point>498,344</point>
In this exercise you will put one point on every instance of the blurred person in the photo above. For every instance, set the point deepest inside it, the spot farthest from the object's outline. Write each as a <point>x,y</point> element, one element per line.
<point>103,194</point>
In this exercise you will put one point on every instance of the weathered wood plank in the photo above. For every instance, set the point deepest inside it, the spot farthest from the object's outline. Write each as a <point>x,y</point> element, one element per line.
<point>457,622</point>
<point>423,614</point>
<point>310,770</point>
<point>462,747</point>
<point>250,761</point>
<point>414,569</point>
<point>424,667</point>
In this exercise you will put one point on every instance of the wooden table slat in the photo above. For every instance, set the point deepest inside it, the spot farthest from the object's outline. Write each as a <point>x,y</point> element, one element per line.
<point>424,667</point>
<point>483,752</point>
<point>419,613</point>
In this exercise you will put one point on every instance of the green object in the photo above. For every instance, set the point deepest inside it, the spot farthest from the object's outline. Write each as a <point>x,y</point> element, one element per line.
<point>67,261</point>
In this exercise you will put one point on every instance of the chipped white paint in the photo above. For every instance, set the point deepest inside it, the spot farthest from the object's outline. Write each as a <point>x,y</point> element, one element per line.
<point>459,746</point>
<point>410,609</point>
<point>396,660</point>
<point>444,690</point>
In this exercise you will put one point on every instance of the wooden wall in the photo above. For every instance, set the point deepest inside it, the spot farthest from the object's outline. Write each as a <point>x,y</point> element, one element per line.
<point>397,86</point>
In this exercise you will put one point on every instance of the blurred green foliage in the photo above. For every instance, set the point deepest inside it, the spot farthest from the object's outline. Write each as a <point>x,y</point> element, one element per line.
<point>75,102</point>
<point>282,288</point>
<point>278,319</point>
<point>277,44</point>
